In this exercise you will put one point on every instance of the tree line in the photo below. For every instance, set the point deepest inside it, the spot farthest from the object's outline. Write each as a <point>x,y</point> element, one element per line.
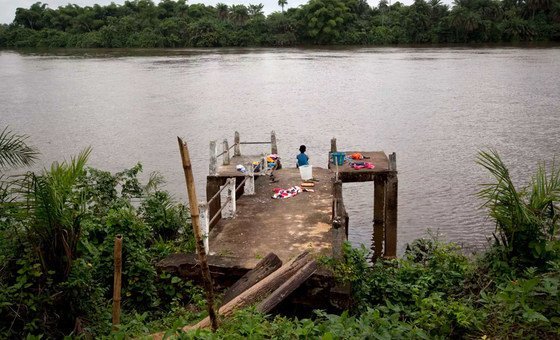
<point>143,23</point>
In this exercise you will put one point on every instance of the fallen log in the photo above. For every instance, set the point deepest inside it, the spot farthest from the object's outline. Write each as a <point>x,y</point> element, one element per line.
<point>259,290</point>
<point>265,267</point>
<point>287,287</point>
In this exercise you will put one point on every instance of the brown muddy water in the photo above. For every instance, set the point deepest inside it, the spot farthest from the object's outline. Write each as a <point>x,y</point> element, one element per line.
<point>434,107</point>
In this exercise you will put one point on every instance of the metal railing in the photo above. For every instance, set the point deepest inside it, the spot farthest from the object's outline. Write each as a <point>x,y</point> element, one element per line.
<point>230,206</point>
<point>226,150</point>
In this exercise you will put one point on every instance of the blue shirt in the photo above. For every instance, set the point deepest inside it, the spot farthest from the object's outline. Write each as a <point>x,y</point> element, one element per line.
<point>302,159</point>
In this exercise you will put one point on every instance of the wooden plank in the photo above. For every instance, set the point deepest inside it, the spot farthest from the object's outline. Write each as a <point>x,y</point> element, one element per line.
<point>391,207</point>
<point>265,267</point>
<point>259,290</point>
<point>378,216</point>
<point>287,287</point>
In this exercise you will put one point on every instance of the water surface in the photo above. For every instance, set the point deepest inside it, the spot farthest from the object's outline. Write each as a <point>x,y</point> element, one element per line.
<point>434,107</point>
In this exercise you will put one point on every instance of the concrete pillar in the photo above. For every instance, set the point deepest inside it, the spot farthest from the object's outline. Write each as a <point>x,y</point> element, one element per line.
<point>237,148</point>
<point>273,145</point>
<point>226,152</point>
<point>204,223</point>
<point>250,182</point>
<point>213,166</point>
<point>232,205</point>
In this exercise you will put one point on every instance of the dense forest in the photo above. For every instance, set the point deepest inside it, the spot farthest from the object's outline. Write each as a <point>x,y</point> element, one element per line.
<point>142,23</point>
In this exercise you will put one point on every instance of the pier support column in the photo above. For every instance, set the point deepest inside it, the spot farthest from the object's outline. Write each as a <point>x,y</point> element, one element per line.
<point>339,221</point>
<point>391,209</point>
<point>378,216</point>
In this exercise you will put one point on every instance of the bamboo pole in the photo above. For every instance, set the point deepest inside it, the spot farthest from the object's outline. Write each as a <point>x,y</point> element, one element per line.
<point>195,218</point>
<point>117,254</point>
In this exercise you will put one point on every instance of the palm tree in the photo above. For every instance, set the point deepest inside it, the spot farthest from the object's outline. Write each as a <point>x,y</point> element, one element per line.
<point>526,219</point>
<point>256,10</point>
<point>239,14</point>
<point>54,206</point>
<point>223,11</point>
<point>282,3</point>
<point>14,150</point>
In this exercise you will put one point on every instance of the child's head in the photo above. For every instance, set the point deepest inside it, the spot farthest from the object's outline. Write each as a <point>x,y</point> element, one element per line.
<point>302,148</point>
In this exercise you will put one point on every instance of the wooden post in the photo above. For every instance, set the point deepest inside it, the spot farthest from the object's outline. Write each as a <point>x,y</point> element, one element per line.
<point>378,216</point>
<point>287,287</point>
<point>204,224</point>
<point>206,278</point>
<point>391,209</point>
<point>249,188</point>
<point>226,150</point>
<point>236,149</point>
<point>261,289</point>
<point>117,254</point>
<point>273,145</point>
<point>213,158</point>
<point>393,162</point>
<point>333,144</point>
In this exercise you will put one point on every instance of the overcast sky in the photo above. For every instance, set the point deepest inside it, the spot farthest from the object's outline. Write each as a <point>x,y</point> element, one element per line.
<point>8,7</point>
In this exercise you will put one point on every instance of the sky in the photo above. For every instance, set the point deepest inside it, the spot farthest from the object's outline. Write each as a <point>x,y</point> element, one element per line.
<point>8,7</point>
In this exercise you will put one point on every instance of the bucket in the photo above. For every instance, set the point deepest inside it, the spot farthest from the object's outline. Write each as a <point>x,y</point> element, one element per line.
<point>338,157</point>
<point>306,172</point>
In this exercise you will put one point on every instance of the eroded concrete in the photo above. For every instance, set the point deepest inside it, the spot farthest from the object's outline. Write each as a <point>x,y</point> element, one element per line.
<point>285,227</point>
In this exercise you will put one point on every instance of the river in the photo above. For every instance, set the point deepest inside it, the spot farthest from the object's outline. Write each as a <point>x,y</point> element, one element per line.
<point>434,107</point>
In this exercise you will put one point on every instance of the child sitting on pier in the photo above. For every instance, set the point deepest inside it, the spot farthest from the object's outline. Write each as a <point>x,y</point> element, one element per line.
<point>302,158</point>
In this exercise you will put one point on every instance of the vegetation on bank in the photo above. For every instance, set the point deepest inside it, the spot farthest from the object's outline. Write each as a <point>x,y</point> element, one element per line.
<point>56,236</point>
<point>142,23</point>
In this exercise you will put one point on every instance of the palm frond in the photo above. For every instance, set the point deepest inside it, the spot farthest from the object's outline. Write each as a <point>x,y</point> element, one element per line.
<point>156,179</point>
<point>14,150</point>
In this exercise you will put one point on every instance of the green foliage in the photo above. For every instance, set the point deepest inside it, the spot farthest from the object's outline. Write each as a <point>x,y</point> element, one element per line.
<point>178,24</point>
<point>57,231</point>
<point>527,220</point>
<point>14,150</point>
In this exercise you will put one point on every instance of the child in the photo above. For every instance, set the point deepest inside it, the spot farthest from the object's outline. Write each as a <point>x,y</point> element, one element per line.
<point>302,158</point>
